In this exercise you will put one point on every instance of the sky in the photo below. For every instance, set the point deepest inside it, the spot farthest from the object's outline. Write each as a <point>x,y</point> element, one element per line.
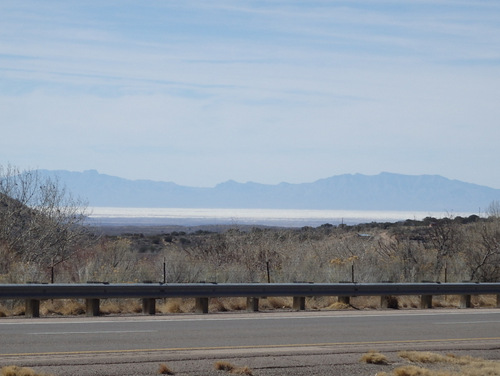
<point>199,92</point>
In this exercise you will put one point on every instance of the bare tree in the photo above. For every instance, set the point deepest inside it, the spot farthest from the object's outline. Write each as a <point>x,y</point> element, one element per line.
<point>493,209</point>
<point>483,256</point>
<point>445,241</point>
<point>40,222</point>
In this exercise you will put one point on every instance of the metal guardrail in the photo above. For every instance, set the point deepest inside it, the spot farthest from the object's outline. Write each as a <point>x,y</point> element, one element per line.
<point>149,292</point>
<point>212,290</point>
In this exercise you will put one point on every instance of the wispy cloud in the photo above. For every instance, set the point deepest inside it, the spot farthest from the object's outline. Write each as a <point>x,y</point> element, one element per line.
<point>252,90</point>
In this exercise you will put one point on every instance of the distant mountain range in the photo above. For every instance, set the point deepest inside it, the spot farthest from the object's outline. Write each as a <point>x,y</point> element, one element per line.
<point>385,191</point>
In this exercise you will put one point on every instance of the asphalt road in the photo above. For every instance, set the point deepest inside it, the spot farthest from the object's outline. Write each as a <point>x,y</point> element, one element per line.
<point>326,342</point>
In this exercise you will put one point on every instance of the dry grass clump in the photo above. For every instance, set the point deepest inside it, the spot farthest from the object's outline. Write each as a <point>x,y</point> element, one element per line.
<point>3,311</point>
<point>242,371</point>
<point>62,307</point>
<point>227,304</point>
<point>408,301</point>
<point>217,305</point>
<point>485,300</point>
<point>19,371</point>
<point>374,357</point>
<point>443,365</point>
<point>365,302</point>
<point>424,357</point>
<point>163,369</point>
<point>339,306</point>
<point>110,307</point>
<point>445,301</point>
<point>320,302</point>
<point>73,308</point>
<point>236,304</point>
<point>228,367</point>
<point>418,371</point>
<point>453,301</point>
<point>176,305</point>
<point>277,302</point>
<point>17,309</point>
<point>223,366</point>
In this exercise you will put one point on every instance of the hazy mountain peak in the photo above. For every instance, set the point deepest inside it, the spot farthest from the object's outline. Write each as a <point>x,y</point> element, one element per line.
<point>385,191</point>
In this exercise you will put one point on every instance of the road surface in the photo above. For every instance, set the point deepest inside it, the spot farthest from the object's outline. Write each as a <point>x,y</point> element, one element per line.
<point>277,343</point>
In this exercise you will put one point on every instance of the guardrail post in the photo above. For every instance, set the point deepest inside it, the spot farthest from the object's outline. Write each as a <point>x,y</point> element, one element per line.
<point>465,301</point>
<point>426,301</point>
<point>299,303</point>
<point>498,300</point>
<point>384,301</point>
<point>149,306</point>
<point>92,307</point>
<point>201,305</point>
<point>345,300</point>
<point>253,304</point>
<point>32,308</point>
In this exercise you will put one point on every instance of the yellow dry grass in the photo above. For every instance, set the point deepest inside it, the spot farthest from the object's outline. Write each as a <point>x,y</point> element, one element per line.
<point>3,311</point>
<point>320,302</point>
<point>19,371</point>
<point>62,307</point>
<point>423,357</point>
<point>175,305</point>
<point>242,371</point>
<point>374,357</point>
<point>433,364</point>
<point>366,302</point>
<point>227,304</point>
<point>217,305</point>
<point>236,304</point>
<point>339,306</point>
<point>112,306</point>
<point>17,309</point>
<point>228,367</point>
<point>276,302</point>
<point>223,366</point>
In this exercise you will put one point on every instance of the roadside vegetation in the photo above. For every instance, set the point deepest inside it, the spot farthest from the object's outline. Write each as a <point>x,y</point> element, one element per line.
<point>44,239</point>
<point>19,371</point>
<point>424,363</point>
<point>446,250</point>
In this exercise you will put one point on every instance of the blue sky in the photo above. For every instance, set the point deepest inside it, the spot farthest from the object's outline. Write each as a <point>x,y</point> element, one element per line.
<point>200,92</point>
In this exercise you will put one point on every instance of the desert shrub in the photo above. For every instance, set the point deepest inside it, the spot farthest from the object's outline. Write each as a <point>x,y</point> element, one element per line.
<point>276,302</point>
<point>417,371</point>
<point>245,370</point>
<point>422,357</point>
<point>177,305</point>
<point>223,366</point>
<point>374,357</point>
<point>163,369</point>
<point>62,307</point>
<point>4,312</point>
<point>182,268</point>
<point>116,306</point>
<point>410,251</point>
<point>461,365</point>
<point>228,367</point>
<point>236,304</point>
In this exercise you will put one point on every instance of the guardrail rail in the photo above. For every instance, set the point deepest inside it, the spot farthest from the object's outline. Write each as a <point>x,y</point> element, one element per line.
<point>202,292</point>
